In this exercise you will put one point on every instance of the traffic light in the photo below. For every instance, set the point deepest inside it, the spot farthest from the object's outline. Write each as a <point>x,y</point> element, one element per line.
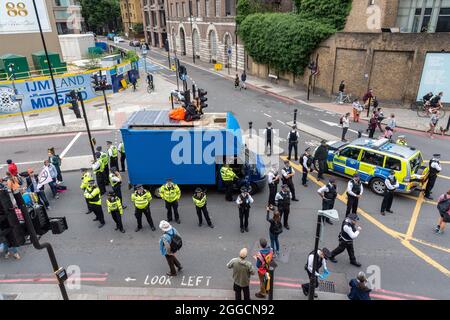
<point>40,220</point>
<point>95,81</point>
<point>10,227</point>
<point>166,45</point>
<point>202,98</point>
<point>186,97</point>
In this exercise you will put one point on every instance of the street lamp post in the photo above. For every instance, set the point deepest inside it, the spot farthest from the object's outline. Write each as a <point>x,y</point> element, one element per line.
<point>80,98</point>
<point>49,64</point>
<point>17,97</point>
<point>192,31</point>
<point>333,215</point>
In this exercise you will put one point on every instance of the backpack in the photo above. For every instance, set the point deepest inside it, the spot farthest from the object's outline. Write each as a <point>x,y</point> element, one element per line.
<point>443,208</point>
<point>265,260</point>
<point>341,121</point>
<point>175,243</point>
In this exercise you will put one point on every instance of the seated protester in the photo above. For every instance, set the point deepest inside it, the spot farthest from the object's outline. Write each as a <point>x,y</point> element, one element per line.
<point>387,133</point>
<point>359,289</point>
<point>191,113</point>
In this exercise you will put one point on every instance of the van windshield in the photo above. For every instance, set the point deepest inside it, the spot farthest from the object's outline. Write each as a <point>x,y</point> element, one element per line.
<point>415,163</point>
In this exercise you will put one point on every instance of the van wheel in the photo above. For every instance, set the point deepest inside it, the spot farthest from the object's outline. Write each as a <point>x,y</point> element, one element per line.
<point>377,185</point>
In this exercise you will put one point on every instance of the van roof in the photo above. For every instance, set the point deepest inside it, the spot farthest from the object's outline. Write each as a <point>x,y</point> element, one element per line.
<point>159,119</point>
<point>386,146</point>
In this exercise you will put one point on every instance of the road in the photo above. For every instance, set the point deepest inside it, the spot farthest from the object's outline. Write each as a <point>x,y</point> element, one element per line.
<point>412,260</point>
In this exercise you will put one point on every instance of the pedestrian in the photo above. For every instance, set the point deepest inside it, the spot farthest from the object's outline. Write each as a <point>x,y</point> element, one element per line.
<point>33,180</point>
<point>200,200</point>
<point>391,184</point>
<point>243,79</point>
<point>7,250</point>
<point>321,156</point>
<point>273,178</point>
<point>115,179</point>
<point>444,212</point>
<point>306,162</point>
<point>133,80</point>
<point>242,272</point>
<point>354,192</point>
<point>113,154</point>
<point>328,193</point>
<point>169,243</point>
<point>373,122</point>
<point>236,82</point>
<point>141,199</point>
<point>92,193</point>
<point>283,202</point>
<point>349,232</point>
<point>357,109</point>
<point>13,185</point>
<point>263,261</point>
<point>368,98</point>
<point>85,178</point>
<point>12,168</point>
<point>345,123</point>
<point>341,91</point>
<point>54,175</point>
<point>170,193</point>
<point>268,132</point>
<point>392,122</point>
<point>228,176</point>
<point>104,158</point>
<point>287,174</point>
<point>244,201</point>
<point>98,168</point>
<point>293,137</point>
<point>388,133</point>
<point>123,156</point>
<point>358,288</point>
<point>321,262</point>
<point>56,161</point>
<point>115,208</point>
<point>380,118</point>
<point>434,169</point>
<point>434,119</point>
<point>275,229</point>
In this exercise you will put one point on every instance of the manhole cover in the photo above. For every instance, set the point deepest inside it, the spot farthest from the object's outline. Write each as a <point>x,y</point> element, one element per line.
<point>326,286</point>
<point>266,87</point>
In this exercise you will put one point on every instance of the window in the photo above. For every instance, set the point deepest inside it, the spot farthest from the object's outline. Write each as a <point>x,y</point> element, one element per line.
<point>443,23</point>
<point>171,9</point>
<point>217,8</point>
<point>228,7</point>
<point>393,164</point>
<point>371,3</point>
<point>424,25</point>
<point>372,158</point>
<point>176,7</point>
<point>183,8</point>
<point>351,153</point>
<point>197,8</point>
<point>207,8</point>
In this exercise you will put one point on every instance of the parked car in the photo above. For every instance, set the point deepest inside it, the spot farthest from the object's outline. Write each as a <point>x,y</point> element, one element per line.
<point>135,43</point>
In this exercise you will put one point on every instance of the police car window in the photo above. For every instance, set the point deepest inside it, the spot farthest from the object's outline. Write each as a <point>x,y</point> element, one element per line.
<point>351,153</point>
<point>393,164</point>
<point>372,158</point>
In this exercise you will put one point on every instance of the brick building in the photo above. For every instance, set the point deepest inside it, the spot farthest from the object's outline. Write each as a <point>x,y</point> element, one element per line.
<point>383,46</point>
<point>131,12</point>
<point>155,27</point>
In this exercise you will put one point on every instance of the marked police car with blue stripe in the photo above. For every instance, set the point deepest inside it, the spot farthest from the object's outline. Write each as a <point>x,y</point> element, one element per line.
<point>374,159</point>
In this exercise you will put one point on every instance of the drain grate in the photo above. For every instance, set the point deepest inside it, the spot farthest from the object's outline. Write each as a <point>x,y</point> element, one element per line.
<point>266,87</point>
<point>327,286</point>
<point>98,105</point>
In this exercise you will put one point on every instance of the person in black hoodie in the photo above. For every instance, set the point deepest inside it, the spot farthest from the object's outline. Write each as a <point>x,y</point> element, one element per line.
<point>321,156</point>
<point>275,229</point>
<point>358,288</point>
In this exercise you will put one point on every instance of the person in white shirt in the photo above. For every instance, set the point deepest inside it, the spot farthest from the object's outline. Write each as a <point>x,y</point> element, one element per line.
<point>306,162</point>
<point>322,256</point>
<point>268,133</point>
<point>283,202</point>
<point>354,192</point>
<point>273,178</point>
<point>328,193</point>
<point>345,122</point>
<point>349,232</point>
<point>434,169</point>
<point>293,138</point>
<point>244,201</point>
<point>392,123</point>
<point>391,185</point>
<point>287,174</point>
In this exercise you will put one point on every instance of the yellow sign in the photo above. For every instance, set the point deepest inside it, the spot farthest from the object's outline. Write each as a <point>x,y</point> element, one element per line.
<point>218,66</point>
<point>124,83</point>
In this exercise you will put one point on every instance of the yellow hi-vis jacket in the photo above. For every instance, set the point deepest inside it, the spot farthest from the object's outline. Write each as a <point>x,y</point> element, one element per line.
<point>199,202</point>
<point>113,179</point>
<point>115,205</point>
<point>227,174</point>
<point>92,193</point>
<point>84,180</point>
<point>170,194</point>
<point>141,201</point>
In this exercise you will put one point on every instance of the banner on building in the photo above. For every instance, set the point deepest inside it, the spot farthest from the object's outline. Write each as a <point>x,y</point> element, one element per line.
<point>19,16</point>
<point>435,75</point>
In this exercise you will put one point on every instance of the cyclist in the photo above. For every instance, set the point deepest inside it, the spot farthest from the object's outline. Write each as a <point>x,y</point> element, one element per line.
<point>150,80</point>
<point>435,102</point>
<point>426,98</point>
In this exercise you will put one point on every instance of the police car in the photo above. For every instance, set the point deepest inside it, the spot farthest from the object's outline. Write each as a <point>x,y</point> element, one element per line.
<point>374,159</point>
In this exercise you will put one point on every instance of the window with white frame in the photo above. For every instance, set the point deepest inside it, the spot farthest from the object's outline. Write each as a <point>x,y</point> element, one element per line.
<point>207,9</point>
<point>424,16</point>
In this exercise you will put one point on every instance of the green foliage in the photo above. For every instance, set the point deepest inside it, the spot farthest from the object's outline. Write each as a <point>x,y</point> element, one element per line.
<point>285,41</point>
<point>101,15</point>
<point>138,28</point>
<point>131,56</point>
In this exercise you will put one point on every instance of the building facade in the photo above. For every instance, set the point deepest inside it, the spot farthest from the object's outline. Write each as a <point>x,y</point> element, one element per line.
<point>131,12</point>
<point>155,25</point>
<point>68,16</point>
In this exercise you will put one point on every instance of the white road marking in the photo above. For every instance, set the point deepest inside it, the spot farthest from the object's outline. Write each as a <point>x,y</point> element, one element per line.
<point>329,112</point>
<point>70,145</point>
<point>281,122</point>
<point>267,115</point>
<point>332,124</point>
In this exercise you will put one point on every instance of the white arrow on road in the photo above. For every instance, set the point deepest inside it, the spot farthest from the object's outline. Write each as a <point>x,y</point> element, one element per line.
<point>128,279</point>
<point>333,124</point>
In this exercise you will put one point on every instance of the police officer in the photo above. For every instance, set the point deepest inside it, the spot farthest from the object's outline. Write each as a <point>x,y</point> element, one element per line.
<point>391,185</point>
<point>228,176</point>
<point>244,201</point>
<point>104,158</point>
<point>114,205</point>
<point>199,199</point>
<point>141,199</point>
<point>306,163</point>
<point>329,194</point>
<point>115,179</point>
<point>349,232</point>
<point>85,177</point>
<point>113,154</point>
<point>321,156</point>
<point>293,137</point>
<point>123,156</point>
<point>269,138</point>
<point>92,194</point>
<point>435,168</point>
<point>283,202</point>
<point>354,193</point>
<point>99,170</point>
<point>171,193</point>
<point>273,178</point>
<point>322,256</point>
<point>287,173</point>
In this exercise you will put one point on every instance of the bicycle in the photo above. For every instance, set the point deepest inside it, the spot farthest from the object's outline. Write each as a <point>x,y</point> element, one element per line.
<point>423,111</point>
<point>346,98</point>
<point>150,87</point>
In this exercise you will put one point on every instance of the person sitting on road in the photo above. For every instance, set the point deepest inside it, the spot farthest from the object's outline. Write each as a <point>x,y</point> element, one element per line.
<point>358,288</point>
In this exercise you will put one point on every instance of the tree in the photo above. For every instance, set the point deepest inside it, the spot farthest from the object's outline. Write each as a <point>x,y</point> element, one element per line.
<point>101,16</point>
<point>138,28</point>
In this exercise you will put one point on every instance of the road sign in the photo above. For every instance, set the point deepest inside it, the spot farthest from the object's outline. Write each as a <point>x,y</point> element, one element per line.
<point>229,51</point>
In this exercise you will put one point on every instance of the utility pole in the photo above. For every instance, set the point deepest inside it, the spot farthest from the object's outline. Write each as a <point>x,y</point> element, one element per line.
<point>17,97</point>
<point>192,31</point>
<point>49,64</point>
<point>87,124</point>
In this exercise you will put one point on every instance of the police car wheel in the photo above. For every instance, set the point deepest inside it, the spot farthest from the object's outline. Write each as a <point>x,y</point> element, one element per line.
<point>377,185</point>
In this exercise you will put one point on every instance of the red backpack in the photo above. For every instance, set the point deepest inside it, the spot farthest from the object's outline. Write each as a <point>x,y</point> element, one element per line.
<point>265,260</point>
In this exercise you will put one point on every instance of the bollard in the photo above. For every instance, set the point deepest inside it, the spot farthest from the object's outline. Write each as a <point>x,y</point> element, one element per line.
<point>171,100</point>
<point>250,125</point>
<point>271,272</point>
<point>295,116</point>
<point>359,134</point>
<point>448,124</point>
